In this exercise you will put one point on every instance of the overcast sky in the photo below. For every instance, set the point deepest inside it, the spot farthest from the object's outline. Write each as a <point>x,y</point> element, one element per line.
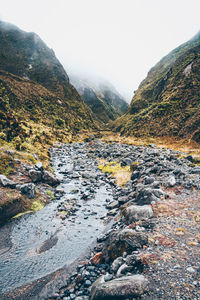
<point>117,39</point>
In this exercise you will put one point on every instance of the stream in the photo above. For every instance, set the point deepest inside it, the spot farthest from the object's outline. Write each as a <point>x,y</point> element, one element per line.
<point>43,242</point>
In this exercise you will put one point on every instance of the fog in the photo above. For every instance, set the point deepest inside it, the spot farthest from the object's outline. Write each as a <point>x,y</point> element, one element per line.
<point>119,40</point>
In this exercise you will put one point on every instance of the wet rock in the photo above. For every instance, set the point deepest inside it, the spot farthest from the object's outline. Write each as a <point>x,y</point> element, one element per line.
<point>35,175</point>
<point>49,178</point>
<point>112,212</point>
<point>5,182</point>
<point>120,288</point>
<point>28,189</point>
<point>134,213</point>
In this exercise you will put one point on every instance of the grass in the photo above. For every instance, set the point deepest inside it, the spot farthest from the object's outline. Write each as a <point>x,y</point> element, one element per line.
<point>121,174</point>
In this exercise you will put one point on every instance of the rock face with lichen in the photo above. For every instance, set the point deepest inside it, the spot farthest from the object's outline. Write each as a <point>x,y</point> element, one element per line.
<point>167,101</point>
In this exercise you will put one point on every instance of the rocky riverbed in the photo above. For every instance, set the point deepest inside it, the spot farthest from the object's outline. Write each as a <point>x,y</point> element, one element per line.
<point>149,250</point>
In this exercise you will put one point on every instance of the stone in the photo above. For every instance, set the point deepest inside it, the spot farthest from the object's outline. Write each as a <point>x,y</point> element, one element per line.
<point>135,175</point>
<point>116,264</point>
<point>112,205</point>
<point>28,189</point>
<point>35,175</point>
<point>134,213</point>
<point>49,178</point>
<point>149,180</point>
<point>97,258</point>
<point>119,288</point>
<point>126,240</point>
<point>123,269</point>
<point>39,166</point>
<point>5,182</point>
<point>191,270</point>
<point>108,277</point>
<point>11,152</point>
<point>171,181</point>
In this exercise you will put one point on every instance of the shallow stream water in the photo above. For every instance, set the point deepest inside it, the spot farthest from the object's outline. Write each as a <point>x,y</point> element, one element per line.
<point>23,262</point>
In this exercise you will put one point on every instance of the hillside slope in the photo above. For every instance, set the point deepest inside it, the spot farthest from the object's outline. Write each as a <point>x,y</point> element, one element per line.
<point>35,89</point>
<point>167,102</point>
<point>103,99</point>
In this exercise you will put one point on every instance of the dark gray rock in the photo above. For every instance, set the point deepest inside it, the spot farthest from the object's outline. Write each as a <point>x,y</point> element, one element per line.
<point>112,205</point>
<point>49,178</point>
<point>39,166</point>
<point>28,189</point>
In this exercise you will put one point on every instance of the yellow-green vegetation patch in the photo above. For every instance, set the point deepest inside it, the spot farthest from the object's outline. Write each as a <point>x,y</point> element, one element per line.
<point>37,205</point>
<point>22,213</point>
<point>50,194</point>
<point>122,174</point>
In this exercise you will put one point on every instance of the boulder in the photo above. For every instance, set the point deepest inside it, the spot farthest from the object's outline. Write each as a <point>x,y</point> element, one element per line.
<point>35,175</point>
<point>126,240</point>
<point>134,213</point>
<point>28,189</point>
<point>119,288</point>
<point>49,178</point>
<point>5,182</point>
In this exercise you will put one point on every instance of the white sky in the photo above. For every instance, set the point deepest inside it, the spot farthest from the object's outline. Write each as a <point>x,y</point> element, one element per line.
<point>117,39</point>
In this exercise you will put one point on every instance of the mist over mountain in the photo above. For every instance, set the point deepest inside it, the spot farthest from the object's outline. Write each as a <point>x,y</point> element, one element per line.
<point>101,96</point>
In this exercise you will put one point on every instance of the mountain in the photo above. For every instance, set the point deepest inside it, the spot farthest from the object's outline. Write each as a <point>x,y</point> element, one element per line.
<point>103,99</point>
<point>34,88</point>
<point>167,102</point>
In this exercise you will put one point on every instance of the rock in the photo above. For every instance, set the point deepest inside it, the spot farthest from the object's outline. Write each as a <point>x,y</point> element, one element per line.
<point>126,162</point>
<point>123,269</point>
<point>116,264</point>
<point>112,212</point>
<point>120,288</point>
<point>5,182</point>
<point>35,175</point>
<point>134,213</point>
<point>112,205</point>
<point>148,195</point>
<point>28,189</point>
<point>97,258</point>
<point>49,178</point>
<point>11,152</point>
<point>135,175</point>
<point>39,166</point>
<point>191,270</point>
<point>148,180</point>
<point>108,277</point>
<point>171,181</point>
<point>126,240</point>
<point>122,200</point>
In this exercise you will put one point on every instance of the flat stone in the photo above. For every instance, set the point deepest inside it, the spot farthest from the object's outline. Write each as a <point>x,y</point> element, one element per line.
<point>120,288</point>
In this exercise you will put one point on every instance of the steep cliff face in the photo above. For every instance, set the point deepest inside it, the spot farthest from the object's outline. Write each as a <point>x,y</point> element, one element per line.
<point>35,87</point>
<point>167,102</point>
<point>103,99</point>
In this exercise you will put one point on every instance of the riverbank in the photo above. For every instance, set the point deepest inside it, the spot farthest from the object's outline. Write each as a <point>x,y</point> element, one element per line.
<point>150,238</point>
